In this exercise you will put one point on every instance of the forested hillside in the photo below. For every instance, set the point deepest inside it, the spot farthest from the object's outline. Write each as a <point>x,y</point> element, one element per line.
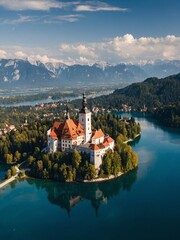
<point>153,92</point>
<point>169,115</point>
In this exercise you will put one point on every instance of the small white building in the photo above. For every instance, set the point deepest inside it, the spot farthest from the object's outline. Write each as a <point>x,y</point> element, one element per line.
<point>70,134</point>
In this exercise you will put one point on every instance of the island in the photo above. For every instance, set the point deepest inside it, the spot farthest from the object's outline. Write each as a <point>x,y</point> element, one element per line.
<point>90,148</point>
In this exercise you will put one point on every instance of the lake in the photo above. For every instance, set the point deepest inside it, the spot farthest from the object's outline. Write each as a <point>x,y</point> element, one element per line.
<point>50,100</point>
<point>142,205</point>
<point>3,170</point>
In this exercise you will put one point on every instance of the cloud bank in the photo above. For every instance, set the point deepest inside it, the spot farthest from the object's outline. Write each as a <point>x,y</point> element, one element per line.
<point>21,19</point>
<point>127,49</point>
<point>73,8</point>
<point>43,5</point>
<point>46,5</point>
<point>97,6</point>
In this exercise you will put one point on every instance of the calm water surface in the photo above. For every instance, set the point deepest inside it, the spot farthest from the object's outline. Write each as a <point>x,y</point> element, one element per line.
<point>3,170</point>
<point>50,100</point>
<point>143,204</point>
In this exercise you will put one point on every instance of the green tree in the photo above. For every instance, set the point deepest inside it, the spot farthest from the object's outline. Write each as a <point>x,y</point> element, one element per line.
<point>134,159</point>
<point>76,159</point>
<point>13,171</point>
<point>9,158</point>
<point>36,151</point>
<point>106,165</point>
<point>69,176</point>
<point>45,174</point>
<point>90,171</point>
<point>116,164</point>
<point>63,173</point>
<point>31,160</point>
<point>8,174</point>
<point>17,156</point>
<point>39,165</point>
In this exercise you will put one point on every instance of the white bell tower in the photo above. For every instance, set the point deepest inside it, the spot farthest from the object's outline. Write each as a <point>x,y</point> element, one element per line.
<point>85,120</point>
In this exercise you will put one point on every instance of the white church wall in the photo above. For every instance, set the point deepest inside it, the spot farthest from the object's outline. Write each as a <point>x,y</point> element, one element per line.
<point>98,140</point>
<point>85,121</point>
<point>96,158</point>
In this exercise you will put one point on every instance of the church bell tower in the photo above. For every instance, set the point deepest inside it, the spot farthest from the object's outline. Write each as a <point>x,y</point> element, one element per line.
<point>85,120</point>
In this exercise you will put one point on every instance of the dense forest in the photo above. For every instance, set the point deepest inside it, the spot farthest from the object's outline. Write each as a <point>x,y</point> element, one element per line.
<point>153,92</point>
<point>169,115</point>
<point>28,141</point>
<point>15,146</point>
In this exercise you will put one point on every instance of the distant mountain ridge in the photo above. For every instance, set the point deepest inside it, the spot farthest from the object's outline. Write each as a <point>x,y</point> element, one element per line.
<point>22,73</point>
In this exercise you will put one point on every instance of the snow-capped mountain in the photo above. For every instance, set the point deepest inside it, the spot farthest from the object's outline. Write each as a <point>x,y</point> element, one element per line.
<point>22,73</point>
<point>56,68</point>
<point>162,68</point>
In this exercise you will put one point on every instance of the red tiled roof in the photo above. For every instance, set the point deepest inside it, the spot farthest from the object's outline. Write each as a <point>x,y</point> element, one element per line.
<point>109,140</point>
<point>101,145</point>
<point>105,144</point>
<point>94,147</point>
<point>71,130</point>
<point>66,130</point>
<point>57,124</point>
<point>98,134</point>
<point>53,134</point>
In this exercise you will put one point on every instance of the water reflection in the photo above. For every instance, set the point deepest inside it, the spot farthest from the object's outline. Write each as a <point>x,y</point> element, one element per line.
<point>3,170</point>
<point>68,195</point>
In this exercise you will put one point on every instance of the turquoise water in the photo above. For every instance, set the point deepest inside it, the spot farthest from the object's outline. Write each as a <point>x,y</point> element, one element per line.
<point>3,170</point>
<point>143,204</point>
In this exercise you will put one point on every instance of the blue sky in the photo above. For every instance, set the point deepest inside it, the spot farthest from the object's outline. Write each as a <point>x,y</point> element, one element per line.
<point>84,32</point>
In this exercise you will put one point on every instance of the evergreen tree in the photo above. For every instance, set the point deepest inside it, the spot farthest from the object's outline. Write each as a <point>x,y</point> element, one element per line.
<point>76,159</point>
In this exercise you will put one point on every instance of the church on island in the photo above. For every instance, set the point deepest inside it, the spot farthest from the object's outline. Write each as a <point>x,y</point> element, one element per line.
<point>71,134</point>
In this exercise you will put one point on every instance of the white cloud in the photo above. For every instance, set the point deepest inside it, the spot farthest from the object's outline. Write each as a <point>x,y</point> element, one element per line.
<point>19,20</point>
<point>63,18</point>
<point>79,49</point>
<point>84,61</point>
<point>46,5</point>
<point>42,19</point>
<point>31,54</point>
<point>145,48</point>
<point>43,5</point>
<point>127,49</point>
<point>94,6</point>
<point>21,55</point>
<point>3,54</point>
<point>43,59</point>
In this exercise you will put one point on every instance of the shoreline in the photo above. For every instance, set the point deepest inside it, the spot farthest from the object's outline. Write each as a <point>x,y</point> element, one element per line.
<point>103,179</point>
<point>6,182</point>
<point>13,178</point>
<point>131,140</point>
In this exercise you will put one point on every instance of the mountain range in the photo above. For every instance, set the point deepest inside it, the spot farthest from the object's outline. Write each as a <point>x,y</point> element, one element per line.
<point>22,73</point>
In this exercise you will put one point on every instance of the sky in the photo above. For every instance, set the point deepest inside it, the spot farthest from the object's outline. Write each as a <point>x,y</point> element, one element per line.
<point>88,32</point>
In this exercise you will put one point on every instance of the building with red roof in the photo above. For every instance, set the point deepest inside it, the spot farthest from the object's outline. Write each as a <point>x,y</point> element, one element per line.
<point>69,135</point>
